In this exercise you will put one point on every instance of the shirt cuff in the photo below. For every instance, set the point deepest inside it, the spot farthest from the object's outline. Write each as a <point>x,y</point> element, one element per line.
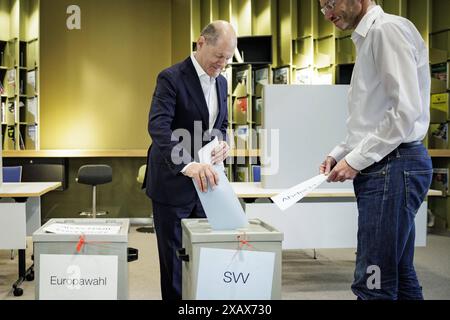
<point>357,161</point>
<point>338,153</point>
<point>186,166</point>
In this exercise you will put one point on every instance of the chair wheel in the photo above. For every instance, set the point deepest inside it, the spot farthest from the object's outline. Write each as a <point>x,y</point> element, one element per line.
<point>18,292</point>
<point>30,276</point>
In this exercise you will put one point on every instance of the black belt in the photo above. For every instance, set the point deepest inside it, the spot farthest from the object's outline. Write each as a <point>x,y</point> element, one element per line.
<point>410,144</point>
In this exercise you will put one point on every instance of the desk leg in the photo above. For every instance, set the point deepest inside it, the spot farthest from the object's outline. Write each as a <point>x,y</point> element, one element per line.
<point>22,263</point>
<point>23,273</point>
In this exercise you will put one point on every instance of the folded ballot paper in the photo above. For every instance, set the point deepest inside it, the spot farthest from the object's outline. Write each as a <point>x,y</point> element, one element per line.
<point>221,205</point>
<point>288,198</point>
<point>64,228</point>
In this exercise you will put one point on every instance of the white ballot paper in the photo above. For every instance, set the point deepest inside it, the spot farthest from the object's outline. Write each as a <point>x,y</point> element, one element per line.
<point>288,198</point>
<point>65,228</point>
<point>204,154</point>
<point>221,205</point>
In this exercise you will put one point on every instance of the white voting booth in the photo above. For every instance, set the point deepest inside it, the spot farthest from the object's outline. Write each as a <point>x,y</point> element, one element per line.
<point>310,121</point>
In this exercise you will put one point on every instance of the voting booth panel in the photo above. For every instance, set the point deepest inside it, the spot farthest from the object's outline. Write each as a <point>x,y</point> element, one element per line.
<point>93,265</point>
<point>242,264</point>
<point>310,122</point>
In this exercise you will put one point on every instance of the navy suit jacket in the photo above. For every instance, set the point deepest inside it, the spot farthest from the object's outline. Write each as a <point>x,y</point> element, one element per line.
<point>179,103</point>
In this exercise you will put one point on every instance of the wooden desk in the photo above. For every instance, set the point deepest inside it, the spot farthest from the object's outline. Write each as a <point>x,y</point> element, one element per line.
<point>326,218</point>
<point>20,216</point>
<point>254,190</point>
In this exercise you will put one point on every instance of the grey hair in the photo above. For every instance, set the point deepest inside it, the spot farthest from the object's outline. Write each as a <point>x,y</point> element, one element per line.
<point>211,34</point>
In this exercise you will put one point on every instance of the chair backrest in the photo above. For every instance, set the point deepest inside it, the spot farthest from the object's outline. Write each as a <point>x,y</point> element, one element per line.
<point>141,173</point>
<point>12,174</point>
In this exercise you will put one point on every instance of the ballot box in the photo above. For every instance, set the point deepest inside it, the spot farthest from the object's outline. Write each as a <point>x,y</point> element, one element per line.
<point>82,259</point>
<point>241,264</point>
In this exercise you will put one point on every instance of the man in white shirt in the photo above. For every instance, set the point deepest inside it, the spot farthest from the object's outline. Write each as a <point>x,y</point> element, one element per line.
<point>189,109</point>
<point>383,153</point>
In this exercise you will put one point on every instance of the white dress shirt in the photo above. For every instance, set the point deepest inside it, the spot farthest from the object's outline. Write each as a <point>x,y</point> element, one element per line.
<point>389,96</point>
<point>210,92</point>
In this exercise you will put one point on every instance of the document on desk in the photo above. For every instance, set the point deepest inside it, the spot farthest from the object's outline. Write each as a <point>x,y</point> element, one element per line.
<point>67,228</point>
<point>221,205</point>
<point>288,198</point>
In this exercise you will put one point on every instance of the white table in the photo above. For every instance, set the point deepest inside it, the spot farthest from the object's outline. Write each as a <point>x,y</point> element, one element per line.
<point>326,218</point>
<point>20,216</point>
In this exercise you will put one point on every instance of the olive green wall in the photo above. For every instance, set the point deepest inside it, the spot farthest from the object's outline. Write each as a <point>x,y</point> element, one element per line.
<point>97,82</point>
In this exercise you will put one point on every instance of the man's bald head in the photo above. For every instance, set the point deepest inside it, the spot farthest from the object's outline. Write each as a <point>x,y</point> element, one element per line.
<point>218,29</point>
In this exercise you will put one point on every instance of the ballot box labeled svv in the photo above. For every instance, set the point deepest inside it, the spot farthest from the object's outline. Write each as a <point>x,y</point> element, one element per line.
<point>82,259</point>
<point>241,264</point>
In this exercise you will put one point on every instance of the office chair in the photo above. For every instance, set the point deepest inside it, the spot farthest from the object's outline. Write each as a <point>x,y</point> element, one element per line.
<point>94,175</point>
<point>140,179</point>
<point>12,174</point>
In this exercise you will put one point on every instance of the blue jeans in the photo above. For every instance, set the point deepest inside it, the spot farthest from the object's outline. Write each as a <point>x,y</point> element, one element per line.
<point>389,194</point>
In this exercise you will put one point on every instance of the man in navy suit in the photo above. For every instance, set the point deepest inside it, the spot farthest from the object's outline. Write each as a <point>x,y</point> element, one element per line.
<point>189,109</point>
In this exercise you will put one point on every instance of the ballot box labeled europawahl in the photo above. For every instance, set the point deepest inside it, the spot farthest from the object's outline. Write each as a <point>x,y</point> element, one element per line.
<point>82,259</point>
<point>242,264</point>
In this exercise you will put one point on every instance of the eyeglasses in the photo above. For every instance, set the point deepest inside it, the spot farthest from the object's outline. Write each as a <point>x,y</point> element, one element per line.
<point>328,6</point>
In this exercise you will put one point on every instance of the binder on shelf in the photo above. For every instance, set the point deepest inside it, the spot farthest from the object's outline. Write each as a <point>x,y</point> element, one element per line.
<point>241,137</point>
<point>240,110</point>
<point>439,77</point>
<point>257,111</point>
<point>11,113</point>
<point>439,108</point>
<point>31,82</point>
<point>30,138</point>
<point>261,77</point>
<point>438,136</point>
<point>281,75</point>
<point>31,112</point>
<point>3,111</point>
<point>11,76</point>
<point>256,173</point>
<point>241,85</point>
<point>440,180</point>
<point>242,174</point>
<point>10,138</point>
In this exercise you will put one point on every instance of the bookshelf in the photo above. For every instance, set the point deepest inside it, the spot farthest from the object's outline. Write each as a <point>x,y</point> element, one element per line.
<point>439,42</point>
<point>313,51</point>
<point>19,74</point>
<point>256,24</point>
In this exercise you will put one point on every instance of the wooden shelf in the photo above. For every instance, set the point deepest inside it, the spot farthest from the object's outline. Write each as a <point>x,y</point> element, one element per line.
<point>132,153</point>
<point>255,190</point>
<point>141,153</point>
<point>439,153</point>
<point>244,153</point>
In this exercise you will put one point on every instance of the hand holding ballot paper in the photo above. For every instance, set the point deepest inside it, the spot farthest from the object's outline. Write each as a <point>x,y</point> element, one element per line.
<point>221,204</point>
<point>288,198</point>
